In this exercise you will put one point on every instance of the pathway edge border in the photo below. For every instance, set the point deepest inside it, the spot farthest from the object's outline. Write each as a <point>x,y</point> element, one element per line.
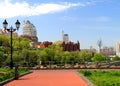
<point>11,79</point>
<point>84,78</point>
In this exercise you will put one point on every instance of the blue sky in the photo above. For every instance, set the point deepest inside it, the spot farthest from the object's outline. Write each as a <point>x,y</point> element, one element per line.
<point>84,20</point>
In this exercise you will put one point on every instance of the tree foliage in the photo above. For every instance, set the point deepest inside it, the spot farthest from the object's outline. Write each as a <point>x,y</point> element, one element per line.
<point>24,54</point>
<point>116,58</point>
<point>98,57</point>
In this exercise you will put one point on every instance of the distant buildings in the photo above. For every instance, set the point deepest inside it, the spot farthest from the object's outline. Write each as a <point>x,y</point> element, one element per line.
<point>65,37</point>
<point>117,49</point>
<point>5,32</point>
<point>44,44</point>
<point>29,31</point>
<point>93,50</point>
<point>70,46</point>
<point>108,51</point>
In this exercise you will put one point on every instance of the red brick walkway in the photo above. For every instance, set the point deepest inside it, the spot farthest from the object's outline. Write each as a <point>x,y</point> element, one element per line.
<point>49,78</point>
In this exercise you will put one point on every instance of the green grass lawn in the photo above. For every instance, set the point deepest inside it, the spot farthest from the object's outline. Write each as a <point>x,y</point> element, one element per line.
<point>102,77</point>
<point>6,73</point>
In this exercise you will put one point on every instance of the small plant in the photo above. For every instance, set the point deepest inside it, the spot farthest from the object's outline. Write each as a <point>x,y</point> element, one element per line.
<point>86,73</point>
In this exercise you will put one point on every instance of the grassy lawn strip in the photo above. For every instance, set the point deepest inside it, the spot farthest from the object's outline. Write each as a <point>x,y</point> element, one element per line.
<point>102,77</point>
<point>6,73</point>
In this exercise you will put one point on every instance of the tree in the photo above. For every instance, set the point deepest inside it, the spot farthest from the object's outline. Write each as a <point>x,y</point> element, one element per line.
<point>85,56</point>
<point>58,43</point>
<point>98,58</point>
<point>4,44</point>
<point>76,57</point>
<point>32,58</point>
<point>3,57</point>
<point>116,58</point>
<point>66,57</point>
<point>43,56</point>
<point>58,57</point>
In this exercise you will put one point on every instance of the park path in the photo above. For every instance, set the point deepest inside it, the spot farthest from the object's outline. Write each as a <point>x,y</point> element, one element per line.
<point>49,78</point>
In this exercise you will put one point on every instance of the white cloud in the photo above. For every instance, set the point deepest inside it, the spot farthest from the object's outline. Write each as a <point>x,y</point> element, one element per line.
<point>9,9</point>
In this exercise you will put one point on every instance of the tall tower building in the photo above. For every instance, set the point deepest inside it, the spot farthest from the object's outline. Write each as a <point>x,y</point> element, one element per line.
<point>65,37</point>
<point>29,31</point>
<point>117,48</point>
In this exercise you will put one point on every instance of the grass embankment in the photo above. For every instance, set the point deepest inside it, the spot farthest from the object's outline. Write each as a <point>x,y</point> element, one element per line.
<point>102,77</point>
<point>6,73</point>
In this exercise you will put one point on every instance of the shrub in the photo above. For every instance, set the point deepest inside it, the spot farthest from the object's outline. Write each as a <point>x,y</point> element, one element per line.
<point>87,73</point>
<point>6,73</point>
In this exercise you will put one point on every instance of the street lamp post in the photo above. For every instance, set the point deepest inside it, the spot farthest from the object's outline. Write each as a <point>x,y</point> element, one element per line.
<point>11,30</point>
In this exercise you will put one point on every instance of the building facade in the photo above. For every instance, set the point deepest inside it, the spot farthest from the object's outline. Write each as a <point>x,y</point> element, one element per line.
<point>117,48</point>
<point>70,46</point>
<point>29,31</point>
<point>5,32</point>
<point>108,51</point>
<point>44,44</point>
<point>65,37</point>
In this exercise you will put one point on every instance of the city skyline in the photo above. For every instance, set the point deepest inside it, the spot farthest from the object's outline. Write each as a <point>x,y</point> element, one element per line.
<point>84,20</point>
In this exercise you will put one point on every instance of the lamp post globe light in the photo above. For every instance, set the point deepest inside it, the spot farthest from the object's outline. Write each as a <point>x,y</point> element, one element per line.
<point>11,30</point>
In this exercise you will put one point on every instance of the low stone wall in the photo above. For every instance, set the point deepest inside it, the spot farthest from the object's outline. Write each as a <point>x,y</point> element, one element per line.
<point>73,67</point>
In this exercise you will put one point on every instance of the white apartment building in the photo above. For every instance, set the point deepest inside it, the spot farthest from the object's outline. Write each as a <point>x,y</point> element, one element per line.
<point>29,29</point>
<point>117,48</point>
<point>65,37</point>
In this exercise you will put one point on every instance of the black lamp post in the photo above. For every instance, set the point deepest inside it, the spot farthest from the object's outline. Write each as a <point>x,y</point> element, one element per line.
<point>11,30</point>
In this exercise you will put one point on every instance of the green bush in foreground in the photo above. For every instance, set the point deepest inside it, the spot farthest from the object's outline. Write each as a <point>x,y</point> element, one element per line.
<point>6,73</point>
<point>102,77</point>
<point>23,70</point>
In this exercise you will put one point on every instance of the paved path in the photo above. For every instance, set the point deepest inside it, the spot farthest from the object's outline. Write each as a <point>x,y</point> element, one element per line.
<point>49,78</point>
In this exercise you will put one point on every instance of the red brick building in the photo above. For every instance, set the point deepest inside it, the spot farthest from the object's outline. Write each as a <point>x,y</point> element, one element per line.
<point>44,44</point>
<point>71,46</point>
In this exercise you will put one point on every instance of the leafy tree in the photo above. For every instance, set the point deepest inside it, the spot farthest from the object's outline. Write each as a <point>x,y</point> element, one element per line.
<point>58,57</point>
<point>85,56</point>
<point>20,43</point>
<point>43,56</point>
<point>75,57</point>
<point>116,58</point>
<point>58,43</point>
<point>50,54</point>
<point>57,49</point>
<point>3,57</point>
<point>32,58</point>
<point>4,43</point>
<point>66,57</point>
<point>98,58</point>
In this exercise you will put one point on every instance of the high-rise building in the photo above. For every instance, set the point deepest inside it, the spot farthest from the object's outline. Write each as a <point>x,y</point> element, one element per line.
<point>117,48</point>
<point>65,37</point>
<point>29,31</point>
